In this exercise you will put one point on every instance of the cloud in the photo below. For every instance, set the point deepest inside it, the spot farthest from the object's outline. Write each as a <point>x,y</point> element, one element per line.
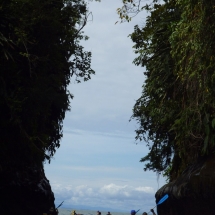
<point>117,133</point>
<point>105,102</point>
<point>145,189</point>
<point>110,196</point>
<point>95,169</point>
<point>125,192</point>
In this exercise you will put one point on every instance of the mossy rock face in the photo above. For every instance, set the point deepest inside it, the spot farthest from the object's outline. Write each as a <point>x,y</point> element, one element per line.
<point>191,193</point>
<point>25,192</point>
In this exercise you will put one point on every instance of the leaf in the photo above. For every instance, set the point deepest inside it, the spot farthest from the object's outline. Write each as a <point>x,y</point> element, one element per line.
<point>204,150</point>
<point>213,123</point>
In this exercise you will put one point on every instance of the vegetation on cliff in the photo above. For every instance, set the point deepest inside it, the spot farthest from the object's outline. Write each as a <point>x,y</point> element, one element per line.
<point>176,111</point>
<point>39,53</point>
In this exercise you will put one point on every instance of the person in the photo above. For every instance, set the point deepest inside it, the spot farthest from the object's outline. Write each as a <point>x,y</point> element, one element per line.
<point>108,213</point>
<point>53,211</point>
<point>133,212</point>
<point>144,213</point>
<point>73,212</point>
<point>99,213</point>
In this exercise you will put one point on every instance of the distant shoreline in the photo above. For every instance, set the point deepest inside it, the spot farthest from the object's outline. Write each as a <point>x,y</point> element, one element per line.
<point>67,210</point>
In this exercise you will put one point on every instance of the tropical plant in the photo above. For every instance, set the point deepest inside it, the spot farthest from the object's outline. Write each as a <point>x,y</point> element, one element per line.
<point>176,109</point>
<point>40,52</point>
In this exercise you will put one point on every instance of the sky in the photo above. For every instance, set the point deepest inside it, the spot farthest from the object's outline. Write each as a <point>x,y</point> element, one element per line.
<point>97,165</point>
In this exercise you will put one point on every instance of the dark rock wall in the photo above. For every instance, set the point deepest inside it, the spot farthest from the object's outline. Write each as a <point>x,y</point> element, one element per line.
<point>25,193</point>
<point>185,206</point>
<point>192,193</point>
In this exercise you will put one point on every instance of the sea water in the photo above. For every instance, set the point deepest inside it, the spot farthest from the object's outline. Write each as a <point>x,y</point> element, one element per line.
<point>64,211</point>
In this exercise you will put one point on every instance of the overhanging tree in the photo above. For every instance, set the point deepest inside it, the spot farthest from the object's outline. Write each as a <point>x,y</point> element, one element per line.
<point>176,109</point>
<point>40,52</point>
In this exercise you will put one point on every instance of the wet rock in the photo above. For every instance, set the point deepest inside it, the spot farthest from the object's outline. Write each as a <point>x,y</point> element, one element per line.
<point>191,193</point>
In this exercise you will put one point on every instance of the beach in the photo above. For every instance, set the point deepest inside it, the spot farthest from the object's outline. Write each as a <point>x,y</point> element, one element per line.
<point>67,211</point>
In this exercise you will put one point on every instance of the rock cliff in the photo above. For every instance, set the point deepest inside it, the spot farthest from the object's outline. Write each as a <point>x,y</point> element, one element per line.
<point>191,193</point>
<point>26,192</point>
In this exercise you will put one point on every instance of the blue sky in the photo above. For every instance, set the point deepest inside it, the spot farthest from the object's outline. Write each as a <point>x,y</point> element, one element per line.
<point>98,164</point>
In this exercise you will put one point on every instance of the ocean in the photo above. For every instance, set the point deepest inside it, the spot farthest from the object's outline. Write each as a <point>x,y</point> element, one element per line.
<point>65,211</point>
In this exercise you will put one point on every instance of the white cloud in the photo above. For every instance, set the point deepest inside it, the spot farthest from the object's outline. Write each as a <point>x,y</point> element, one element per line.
<point>113,190</point>
<point>145,189</point>
<point>109,195</point>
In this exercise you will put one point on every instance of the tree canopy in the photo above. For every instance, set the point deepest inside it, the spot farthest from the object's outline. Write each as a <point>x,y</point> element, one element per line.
<point>176,111</point>
<point>40,52</point>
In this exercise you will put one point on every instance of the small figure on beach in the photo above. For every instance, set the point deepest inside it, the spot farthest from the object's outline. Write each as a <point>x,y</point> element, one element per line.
<point>99,213</point>
<point>108,213</point>
<point>133,212</point>
<point>73,212</point>
<point>52,211</point>
<point>144,213</point>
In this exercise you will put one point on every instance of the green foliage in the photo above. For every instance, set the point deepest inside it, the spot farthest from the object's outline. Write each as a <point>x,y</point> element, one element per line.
<point>193,50</point>
<point>150,110</point>
<point>176,109</point>
<point>39,52</point>
<point>129,9</point>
